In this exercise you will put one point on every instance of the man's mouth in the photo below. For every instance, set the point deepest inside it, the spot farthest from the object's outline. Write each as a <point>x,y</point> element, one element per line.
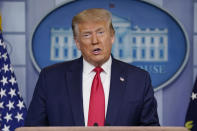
<point>96,51</point>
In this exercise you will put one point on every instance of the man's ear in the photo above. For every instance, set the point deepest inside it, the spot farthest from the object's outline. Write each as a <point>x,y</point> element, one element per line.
<point>113,38</point>
<point>77,43</point>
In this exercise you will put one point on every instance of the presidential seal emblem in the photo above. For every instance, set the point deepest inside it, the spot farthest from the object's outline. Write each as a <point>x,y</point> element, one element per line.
<point>147,36</point>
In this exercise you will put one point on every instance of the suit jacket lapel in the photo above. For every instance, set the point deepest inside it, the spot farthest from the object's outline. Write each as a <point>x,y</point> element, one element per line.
<point>117,88</point>
<point>74,84</point>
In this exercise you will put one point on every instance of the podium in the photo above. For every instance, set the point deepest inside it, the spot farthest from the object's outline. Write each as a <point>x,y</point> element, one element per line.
<point>112,128</point>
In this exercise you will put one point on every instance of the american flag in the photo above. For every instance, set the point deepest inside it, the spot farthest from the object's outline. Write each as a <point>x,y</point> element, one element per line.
<point>191,117</point>
<point>12,107</point>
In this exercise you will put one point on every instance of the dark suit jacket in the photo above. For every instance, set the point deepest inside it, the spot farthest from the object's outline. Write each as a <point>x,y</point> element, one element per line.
<point>58,101</point>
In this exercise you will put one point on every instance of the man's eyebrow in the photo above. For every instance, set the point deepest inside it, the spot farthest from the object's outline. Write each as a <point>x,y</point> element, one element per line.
<point>101,28</point>
<point>86,31</point>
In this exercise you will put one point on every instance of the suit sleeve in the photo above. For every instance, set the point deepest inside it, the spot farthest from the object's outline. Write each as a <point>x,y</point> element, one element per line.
<point>149,116</point>
<point>36,115</point>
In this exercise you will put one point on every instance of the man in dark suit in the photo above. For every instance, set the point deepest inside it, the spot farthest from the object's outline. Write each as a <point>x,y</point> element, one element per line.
<point>95,89</point>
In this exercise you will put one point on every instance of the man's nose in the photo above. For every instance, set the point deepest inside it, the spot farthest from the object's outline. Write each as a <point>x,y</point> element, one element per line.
<point>94,38</point>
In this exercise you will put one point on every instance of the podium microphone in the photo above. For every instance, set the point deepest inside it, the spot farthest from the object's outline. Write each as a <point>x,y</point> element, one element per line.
<point>95,124</point>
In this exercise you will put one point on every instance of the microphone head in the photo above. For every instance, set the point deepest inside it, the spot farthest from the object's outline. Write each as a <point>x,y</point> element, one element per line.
<point>95,124</point>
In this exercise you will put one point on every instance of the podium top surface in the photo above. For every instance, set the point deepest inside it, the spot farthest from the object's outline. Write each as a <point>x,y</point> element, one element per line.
<point>117,128</point>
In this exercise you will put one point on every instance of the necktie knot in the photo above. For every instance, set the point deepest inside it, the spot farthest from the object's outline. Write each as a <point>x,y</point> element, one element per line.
<point>98,69</point>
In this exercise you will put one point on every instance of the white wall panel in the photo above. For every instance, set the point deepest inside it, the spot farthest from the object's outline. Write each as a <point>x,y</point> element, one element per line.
<point>13,16</point>
<point>16,48</point>
<point>195,74</point>
<point>195,42</point>
<point>58,2</point>
<point>159,97</point>
<point>195,17</point>
<point>195,50</point>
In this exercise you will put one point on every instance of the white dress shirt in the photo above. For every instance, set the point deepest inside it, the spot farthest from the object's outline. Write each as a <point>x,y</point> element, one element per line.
<point>88,76</point>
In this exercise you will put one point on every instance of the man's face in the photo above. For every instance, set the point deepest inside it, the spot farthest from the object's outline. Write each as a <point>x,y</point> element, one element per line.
<point>95,40</point>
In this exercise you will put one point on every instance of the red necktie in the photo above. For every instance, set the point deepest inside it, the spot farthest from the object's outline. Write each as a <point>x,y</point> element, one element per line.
<point>96,114</point>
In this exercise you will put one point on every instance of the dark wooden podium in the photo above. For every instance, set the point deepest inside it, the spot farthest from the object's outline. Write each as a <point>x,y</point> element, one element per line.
<point>116,128</point>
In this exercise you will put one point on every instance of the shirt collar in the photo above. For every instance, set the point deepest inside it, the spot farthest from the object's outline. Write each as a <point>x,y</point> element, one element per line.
<point>87,67</point>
